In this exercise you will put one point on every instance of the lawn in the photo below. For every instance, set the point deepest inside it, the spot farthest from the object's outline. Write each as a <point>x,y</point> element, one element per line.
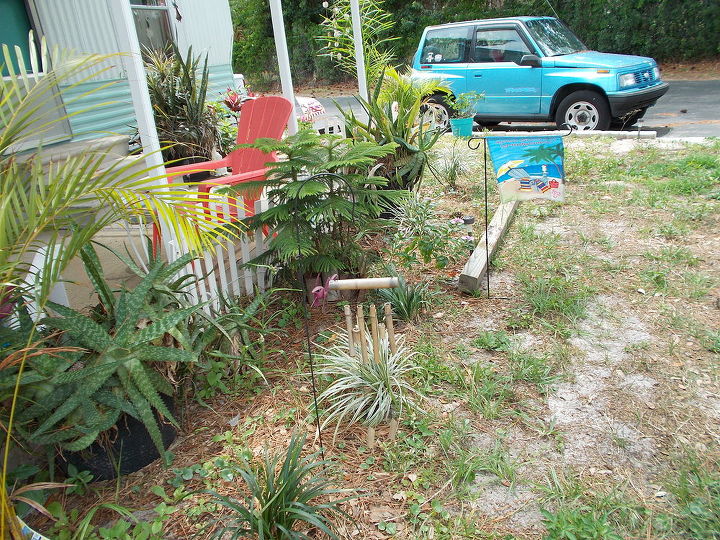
<point>581,398</point>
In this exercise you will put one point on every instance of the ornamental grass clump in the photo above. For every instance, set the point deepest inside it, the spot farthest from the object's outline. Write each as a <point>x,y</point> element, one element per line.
<point>282,498</point>
<point>368,392</point>
<point>408,300</point>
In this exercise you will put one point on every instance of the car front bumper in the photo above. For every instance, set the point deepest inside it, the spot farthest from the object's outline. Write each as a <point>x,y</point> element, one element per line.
<point>622,103</point>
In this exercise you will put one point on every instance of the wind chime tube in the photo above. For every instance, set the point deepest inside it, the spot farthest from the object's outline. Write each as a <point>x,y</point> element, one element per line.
<point>355,339</point>
<point>375,333</point>
<point>364,283</point>
<point>390,328</point>
<point>361,328</point>
<point>349,326</point>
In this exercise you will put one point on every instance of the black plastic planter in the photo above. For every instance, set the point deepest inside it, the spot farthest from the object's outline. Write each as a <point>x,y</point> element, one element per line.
<point>128,449</point>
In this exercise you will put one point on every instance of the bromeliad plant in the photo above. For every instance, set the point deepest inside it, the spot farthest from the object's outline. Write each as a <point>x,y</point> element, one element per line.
<point>321,196</point>
<point>282,499</point>
<point>178,91</point>
<point>394,117</point>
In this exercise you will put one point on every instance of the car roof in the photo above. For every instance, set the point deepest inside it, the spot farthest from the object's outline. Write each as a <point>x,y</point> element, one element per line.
<point>500,20</point>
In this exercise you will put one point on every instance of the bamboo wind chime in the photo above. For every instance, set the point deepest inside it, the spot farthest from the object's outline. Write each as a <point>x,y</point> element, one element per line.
<point>379,331</point>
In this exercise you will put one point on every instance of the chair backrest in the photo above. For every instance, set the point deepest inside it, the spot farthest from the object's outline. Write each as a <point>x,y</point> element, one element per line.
<point>264,117</point>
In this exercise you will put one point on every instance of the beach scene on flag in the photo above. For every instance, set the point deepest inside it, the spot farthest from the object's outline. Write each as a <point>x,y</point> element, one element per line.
<point>528,167</point>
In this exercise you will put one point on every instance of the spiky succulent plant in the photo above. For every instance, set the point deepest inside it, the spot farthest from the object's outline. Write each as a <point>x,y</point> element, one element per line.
<point>117,372</point>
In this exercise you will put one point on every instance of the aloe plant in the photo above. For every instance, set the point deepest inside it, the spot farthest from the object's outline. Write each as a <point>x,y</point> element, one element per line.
<point>114,375</point>
<point>394,117</point>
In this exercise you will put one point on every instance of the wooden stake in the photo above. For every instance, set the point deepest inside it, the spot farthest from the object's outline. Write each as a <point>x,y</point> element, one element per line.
<point>394,425</point>
<point>361,328</point>
<point>390,328</point>
<point>370,437</point>
<point>356,339</point>
<point>375,334</point>
<point>349,325</point>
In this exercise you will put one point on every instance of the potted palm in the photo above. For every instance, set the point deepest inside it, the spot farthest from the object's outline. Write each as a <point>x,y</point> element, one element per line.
<point>463,107</point>
<point>394,116</point>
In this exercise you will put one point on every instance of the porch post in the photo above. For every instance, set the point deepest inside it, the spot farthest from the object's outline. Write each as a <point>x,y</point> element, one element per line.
<point>283,60</point>
<point>359,50</point>
<point>128,43</point>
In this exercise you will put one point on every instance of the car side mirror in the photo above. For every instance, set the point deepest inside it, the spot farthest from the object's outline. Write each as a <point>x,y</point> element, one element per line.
<point>531,60</point>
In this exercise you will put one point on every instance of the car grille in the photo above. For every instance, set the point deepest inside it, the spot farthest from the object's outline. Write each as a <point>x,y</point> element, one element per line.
<point>644,77</point>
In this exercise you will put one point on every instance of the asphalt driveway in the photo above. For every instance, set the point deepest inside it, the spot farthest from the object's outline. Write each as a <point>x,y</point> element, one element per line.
<point>689,109</point>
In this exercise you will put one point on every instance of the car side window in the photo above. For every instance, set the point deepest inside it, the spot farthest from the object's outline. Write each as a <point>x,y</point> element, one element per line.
<point>446,46</point>
<point>499,45</point>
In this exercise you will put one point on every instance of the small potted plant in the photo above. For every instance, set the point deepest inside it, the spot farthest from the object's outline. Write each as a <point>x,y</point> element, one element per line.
<point>463,106</point>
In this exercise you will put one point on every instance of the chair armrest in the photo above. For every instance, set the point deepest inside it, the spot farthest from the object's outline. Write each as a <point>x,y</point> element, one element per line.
<point>206,185</point>
<point>196,167</point>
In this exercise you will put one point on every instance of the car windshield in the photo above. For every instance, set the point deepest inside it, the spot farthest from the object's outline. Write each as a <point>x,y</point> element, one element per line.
<point>553,37</point>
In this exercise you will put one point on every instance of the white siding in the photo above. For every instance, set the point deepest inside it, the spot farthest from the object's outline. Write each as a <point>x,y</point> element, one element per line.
<point>84,26</point>
<point>205,25</point>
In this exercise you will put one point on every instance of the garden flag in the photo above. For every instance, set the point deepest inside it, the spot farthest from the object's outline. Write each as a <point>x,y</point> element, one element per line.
<point>528,167</point>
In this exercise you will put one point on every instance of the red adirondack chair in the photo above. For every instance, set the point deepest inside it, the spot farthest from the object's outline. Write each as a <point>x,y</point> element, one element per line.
<point>264,117</point>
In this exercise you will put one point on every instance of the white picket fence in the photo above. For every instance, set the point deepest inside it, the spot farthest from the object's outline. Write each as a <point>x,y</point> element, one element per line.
<point>225,272</point>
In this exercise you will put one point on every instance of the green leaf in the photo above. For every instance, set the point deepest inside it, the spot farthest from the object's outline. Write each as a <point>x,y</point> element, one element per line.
<point>160,327</point>
<point>86,331</point>
<point>97,278</point>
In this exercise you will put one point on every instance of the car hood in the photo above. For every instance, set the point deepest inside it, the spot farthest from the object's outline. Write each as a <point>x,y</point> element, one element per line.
<point>595,59</point>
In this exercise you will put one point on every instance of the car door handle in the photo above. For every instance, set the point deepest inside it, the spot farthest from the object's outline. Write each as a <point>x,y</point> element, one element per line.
<point>478,74</point>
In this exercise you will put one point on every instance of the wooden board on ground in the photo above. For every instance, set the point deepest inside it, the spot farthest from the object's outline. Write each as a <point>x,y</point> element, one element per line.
<point>475,268</point>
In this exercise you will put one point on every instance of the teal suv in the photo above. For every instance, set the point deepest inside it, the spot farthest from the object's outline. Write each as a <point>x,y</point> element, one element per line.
<point>535,69</point>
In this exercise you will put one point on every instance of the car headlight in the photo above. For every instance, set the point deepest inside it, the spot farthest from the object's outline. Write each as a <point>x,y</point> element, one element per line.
<point>627,80</point>
<point>656,73</point>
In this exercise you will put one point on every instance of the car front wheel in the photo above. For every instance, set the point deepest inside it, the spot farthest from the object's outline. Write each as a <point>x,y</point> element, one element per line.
<point>583,110</point>
<point>436,112</point>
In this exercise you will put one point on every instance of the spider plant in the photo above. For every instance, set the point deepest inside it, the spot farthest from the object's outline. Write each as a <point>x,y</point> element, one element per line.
<point>281,498</point>
<point>369,392</point>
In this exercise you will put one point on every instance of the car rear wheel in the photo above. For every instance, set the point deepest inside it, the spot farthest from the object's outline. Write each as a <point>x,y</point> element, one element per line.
<point>583,110</point>
<point>436,112</point>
